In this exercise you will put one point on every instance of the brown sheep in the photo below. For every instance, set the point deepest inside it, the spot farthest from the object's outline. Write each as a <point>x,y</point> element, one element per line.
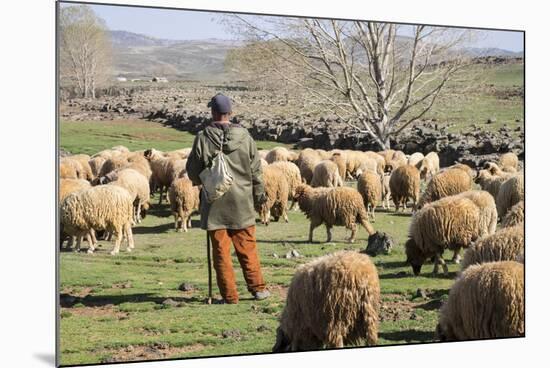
<point>386,192</point>
<point>504,245</point>
<point>488,209</point>
<point>70,169</point>
<point>306,164</point>
<point>405,184</point>
<point>68,186</point>
<point>86,172</point>
<point>486,301</point>
<point>515,216</point>
<point>278,154</point>
<point>95,164</point>
<point>445,183</point>
<point>325,174</point>
<point>276,191</point>
<point>369,185</point>
<point>162,169</point>
<point>332,301</point>
<point>184,199</point>
<point>451,222</point>
<point>489,182</point>
<point>305,196</point>
<point>112,164</point>
<point>342,206</point>
<point>510,192</point>
<point>415,158</point>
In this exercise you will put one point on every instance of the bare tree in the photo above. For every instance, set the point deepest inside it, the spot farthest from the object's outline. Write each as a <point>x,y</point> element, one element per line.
<point>85,49</point>
<point>378,78</point>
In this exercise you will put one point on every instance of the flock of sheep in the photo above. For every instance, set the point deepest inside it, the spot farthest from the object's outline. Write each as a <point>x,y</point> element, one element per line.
<point>335,300</point>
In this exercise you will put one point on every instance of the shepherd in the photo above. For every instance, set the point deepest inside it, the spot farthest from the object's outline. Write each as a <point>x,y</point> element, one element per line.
<point>228,216</point>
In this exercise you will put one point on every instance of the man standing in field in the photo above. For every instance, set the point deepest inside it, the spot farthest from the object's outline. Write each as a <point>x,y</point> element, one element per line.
<point>231,218</point>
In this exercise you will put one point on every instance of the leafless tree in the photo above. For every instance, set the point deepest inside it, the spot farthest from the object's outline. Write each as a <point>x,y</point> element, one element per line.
<point>85,49</point>
<point>378,78</point>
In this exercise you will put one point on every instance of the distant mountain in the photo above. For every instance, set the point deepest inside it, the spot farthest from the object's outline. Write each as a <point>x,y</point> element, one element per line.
<point>141,56</point>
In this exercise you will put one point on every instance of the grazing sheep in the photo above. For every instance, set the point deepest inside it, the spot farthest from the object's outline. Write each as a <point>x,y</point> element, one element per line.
<point>305,196</point>
<point>428,166</point>
<point>510,192</point>
<point>184,199</point>
<point>387,155</point>
<point>445,183</point>
<point>415,158</point>
<point>515,216</point>
<point>292,175</point>
<point>508,161</point>
<point>368,164</point>
<point>504,245</point>
<point>386,192</point>
<point>405,184</point>
<point>278,154</point>
<point>369,185</point>
<point>105,207</point>
<point>326,174</point>
<point>340,162</point>
<point>136,184</point>
<point>276,191</point>
<point>486,301</point>
<point>380,162</point>
<point>139,163</point>
<point>451,222</point>
<point>341,206</point>
<point>332,301</point>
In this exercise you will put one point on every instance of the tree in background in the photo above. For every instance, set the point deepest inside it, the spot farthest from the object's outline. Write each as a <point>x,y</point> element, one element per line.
<point>85,49</point>
<point>376,81</point>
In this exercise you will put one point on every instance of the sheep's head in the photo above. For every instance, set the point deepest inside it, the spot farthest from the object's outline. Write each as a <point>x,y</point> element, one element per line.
<point>481,175</point>
<point>415,257</point>
<point>282,343</point>
<point>492,168</point>
<point>301,191</point>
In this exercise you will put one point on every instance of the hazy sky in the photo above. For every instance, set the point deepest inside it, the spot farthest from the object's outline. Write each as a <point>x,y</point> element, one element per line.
<point>193,25</point>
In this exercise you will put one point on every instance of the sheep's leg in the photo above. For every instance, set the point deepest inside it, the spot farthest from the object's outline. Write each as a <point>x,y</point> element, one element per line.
<point>129,237</point>
<point>456,256</point>
<point>373,217</point>
<point>184,223</point>
<point>189,222</point>
<point>339,342</point>
<point>329,233</point>
<point>313,224</point>
<point>78,241</point>
<point>439,260</point>
<point>90,238</point>
<point>161,193</point>
<point>353,229</point>
<point>118,240</point>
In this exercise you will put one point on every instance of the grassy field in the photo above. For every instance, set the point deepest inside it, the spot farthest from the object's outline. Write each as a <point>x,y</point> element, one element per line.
<point>129,307</point>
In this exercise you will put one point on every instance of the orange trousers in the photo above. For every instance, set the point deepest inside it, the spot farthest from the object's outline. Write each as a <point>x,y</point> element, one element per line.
<point>244,241</point>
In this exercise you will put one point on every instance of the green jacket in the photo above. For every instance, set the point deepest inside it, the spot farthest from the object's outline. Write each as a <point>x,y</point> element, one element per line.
<point>235,209</point>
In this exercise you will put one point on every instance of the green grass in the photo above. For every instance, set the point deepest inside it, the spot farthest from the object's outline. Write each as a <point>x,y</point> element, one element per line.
<point>121,297</point>
<point>93,136</point>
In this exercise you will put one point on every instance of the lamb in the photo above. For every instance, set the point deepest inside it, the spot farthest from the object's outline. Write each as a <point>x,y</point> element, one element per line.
<point>486,301</point>
<point>451,222</point>
<point>278,154</point>
<point>136,184</point>
<point>326,174</point>
<point>445,183</point>
<point>405,184</point>
<point>184,199</point>
<point>292,175</point>
<point>515,216</point>
<point>341,206</point>
<point>510,192</point>
<point>104,207</point>
<point>507,244</point>
<point>276,191</point>
<point>332,301</point>
<point>369,185</point>
<point>428,166</point>
<point>508,161</point>
<point>415,158</point>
